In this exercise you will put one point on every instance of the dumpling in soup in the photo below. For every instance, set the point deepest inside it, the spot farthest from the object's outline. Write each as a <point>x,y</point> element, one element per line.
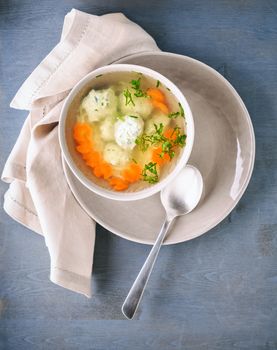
<point>99,104</point>
<point>127,130</point>
<point>141,106</point>
<point>115,155</point>
<point>157,119</point>
<point>107,129</point>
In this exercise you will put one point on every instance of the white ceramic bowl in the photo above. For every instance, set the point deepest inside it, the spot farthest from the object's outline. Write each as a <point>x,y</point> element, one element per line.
<point>144,193</point>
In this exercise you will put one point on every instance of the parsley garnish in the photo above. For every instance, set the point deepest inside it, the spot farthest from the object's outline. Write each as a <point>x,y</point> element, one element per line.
<point>174,115</point>
<point>133,116</point>
<point>136,86</point>
<point>167,148</point>
<point>134,161</point>
<point>177,114</point>
<point>158,83</point>
<point>180,140</point>
<point>149,173</point>
<point>144,141</point>
<point>168,144</point>
<point>128,97</point>
<point>182,112</point>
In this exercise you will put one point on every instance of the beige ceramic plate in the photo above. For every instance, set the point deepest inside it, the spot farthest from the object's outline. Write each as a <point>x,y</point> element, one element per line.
<point>224,151</point>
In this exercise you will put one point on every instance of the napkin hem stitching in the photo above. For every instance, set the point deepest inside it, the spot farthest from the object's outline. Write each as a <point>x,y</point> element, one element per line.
<point>71,280</point>
<point>62,61</point>
<point>74,273</point>
<point>21,205</point>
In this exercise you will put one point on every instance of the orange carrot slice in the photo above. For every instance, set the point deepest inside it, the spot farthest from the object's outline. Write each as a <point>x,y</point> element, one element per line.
<point>93,159</point>
<point>132,173</point>
<point>136,170</point>
<point>81,132</point>
<point>107,170</point>
<point>87,156</point>
<point>118,183</point>
<point>156,94</point>
<point>156,156</point>
<point>84,147</point>
<point>97,171</point>
<point>170,134</point>
<point>161,106</point>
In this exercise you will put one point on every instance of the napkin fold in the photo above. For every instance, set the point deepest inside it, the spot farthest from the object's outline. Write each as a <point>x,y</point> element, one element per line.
<point>38,196</point>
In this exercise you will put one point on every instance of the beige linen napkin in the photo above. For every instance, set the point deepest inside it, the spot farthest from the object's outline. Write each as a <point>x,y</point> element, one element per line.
<point>38,196</point>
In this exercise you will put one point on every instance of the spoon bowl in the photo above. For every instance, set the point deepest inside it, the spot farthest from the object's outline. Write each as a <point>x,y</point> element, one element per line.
<point>182,195</point>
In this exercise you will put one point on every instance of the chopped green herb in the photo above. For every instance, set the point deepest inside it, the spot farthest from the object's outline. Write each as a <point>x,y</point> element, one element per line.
<point>167,148</point>
<point>98,76</point>
<point>128,97</point>
<point>157,138</point>
<point>175,130</point>
<point>136,86</point>
<point>182,112</point>
<point>144,141</point>
<point>133,116</point>
<point>140,94</point>
<point>96,110</point>
<point>173,115</point>
<point>177,114</point>
<point>134,161</point>
<point>180,140</point>
<point>158,83</point>
<point>168,89</point>
<point>159,129</point>
<point>149,173</point>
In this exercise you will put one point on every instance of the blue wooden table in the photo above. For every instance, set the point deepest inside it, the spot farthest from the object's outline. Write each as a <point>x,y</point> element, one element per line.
<point>216,292</point>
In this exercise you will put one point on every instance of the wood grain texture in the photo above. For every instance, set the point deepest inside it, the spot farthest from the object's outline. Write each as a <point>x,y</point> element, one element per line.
<point>216,292</point>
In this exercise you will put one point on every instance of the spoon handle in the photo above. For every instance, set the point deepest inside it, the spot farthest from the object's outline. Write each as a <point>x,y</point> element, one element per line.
<point>134,296</point>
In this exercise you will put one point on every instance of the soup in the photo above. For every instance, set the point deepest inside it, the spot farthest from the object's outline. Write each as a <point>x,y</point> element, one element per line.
<point>128,130</point>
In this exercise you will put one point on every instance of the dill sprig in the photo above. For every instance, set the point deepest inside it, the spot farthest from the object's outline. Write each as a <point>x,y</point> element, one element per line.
<point>128,97</point>
<point>181,112</point>
<point>150,173</point>
<point>158,138</point>
<point>136,86</point>
<point>144,140</point>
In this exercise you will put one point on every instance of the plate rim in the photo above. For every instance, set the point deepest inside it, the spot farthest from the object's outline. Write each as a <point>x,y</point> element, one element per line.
<point>252,149</point>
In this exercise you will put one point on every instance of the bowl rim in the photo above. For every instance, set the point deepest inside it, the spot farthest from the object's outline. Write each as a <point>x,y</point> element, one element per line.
<point>147,192</point>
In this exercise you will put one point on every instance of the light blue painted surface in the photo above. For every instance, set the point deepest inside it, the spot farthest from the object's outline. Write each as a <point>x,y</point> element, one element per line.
<point>215,292</point>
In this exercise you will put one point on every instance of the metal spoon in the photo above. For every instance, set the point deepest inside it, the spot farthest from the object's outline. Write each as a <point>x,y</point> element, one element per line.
<point>179,198</point>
